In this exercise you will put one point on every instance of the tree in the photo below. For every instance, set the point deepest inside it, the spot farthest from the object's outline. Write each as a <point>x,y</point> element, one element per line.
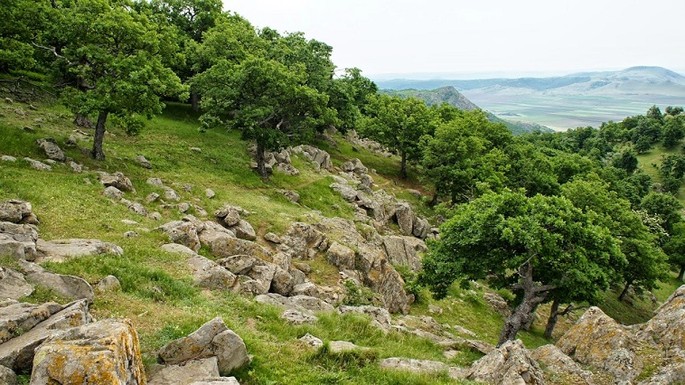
<point>626,160</point>
<point>675,248</point>
<point>399,124</point>
<point>264,99</point>
<point>665,206</point>
<point>113,52</point>
<point>349,95</point>
<point>22,32</point>
<point>535,246</point>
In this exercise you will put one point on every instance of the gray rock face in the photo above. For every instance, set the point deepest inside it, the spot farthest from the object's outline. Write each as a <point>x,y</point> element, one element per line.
<point>37,165</point>
<point>227,247</point>
<point>244,230</point>
<point>356,166</point>
<point>509,364</point>
<point>51,149</point>
<point>118,180</point>
<point>380,317</point>
<point>302,303</point>
<point>104,352</point>
<point>297,317</point>
<point>7,376</point>
<point>320,158</point>
<point>404,251</point>
<point>60,250</point>
<point>17,211</point>
<point>561,366</point>
<point>341,256</point>
<point>13,285</point>
<point>413,365</point>
<point>209,275</point>
<point>213,339</point>
<point>187,373</point>
<point>113,193</point>
<point>68,286</point>
<point>17,318</point>
<point>17,353</point>
<point>405,218</point>
<point>18,240</point>
<point>184,233</point>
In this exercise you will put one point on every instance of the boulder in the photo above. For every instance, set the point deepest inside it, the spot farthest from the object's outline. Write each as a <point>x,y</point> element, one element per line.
<point>104,352</point>
<point>183,207</point>
<point>186,373</point>
<point>210,275</point>
<point>509,364</point>
<point>18,240</point>
<point>217,381</point>
<point>8,158</point>
<point>413,365</point>
<point>380,317</point>
<point>339,347</point>
<point>13,285</point>
<point>227,247</point>
<point>404,250</point>
<point>37,165</point>
<point>113,193</point>
<point>405,218</point>
<point>175,248</point>
<point>341,256</point>
<point>228,216</point>
<point>183,232</point>
<point>238,264</point>
<point>75,167</point>
<point>117,180</point>
<point>389,284</point>
<point>17,211</point>
<point>273,238</point>
<point>497,303</point>
<point>311,341</point>
<point>155,182</point>
<point>209,193</point>
<point>667,327</point>
<point>108,284</point>
<point>171,194</point>
<point>297,317</point>
<point>67,286</point>
<point>355,166</point>
<point>282,282</point>
<point>137,208</point>
<point>347,192</point>
<point>302,303</point>
<point>560,368</point>
<point>51,149</point>
<point>17,353</point>
<point>303,240</point>
<point>290,195</point>
<point>421,228</point>
<point>143,162</point>
<point>213,231</point>
<point>59,250</point>
<point>320,158</point>
<point>17,318</point>
<point>211,339</point>
<point>244,230</point>
<point>7,376</point>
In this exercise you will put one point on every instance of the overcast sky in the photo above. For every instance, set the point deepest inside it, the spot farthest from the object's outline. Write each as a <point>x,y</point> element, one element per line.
<point>483,37</point>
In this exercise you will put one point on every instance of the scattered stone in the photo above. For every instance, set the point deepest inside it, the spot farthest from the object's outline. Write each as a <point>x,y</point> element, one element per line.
<point>338,347</point>
<point>226,246</point>
<point>104,352</point>
<point>143,162</point>
<point>137,208</point>
<point>178,249</point>
<point>434,309</point>
<point>463,331</point>
<point>117,180</point>
<point>497,303</point>
<point>155,182</point>
<point>297,317</point>
<point>320,158</point>
<point>312,341</point>
<point>171,194</point>
<point>108,284</point>
<point>17,211</point>
<point>51,149</point>
<point>210,275</point>
<point>152,197</point>
<point>195,149</point>
<point>302,303</point>
<point>209,193</point>
<point>18,240</point>
<point>228,216</point>
<point>131,234</point>
<point>183,232</point>
<point>186,373</point>
<point>113,193</point>
<point>13,285</point>
<point>413,365</point>
<point>379,317</point>
<point>509,364</point>
<point>244,230</point>
<point>200,212</point>
<point>273,238</point>
<point>51,162</point>
<point>354,165</point>
<point>8,158</point>
<point>75,167</point>
<point>155,216</point>
<point>40,166</point>
<point>212,339</point>
<point>59,250</point>
<point>184,207</point>
<point>290,195</point>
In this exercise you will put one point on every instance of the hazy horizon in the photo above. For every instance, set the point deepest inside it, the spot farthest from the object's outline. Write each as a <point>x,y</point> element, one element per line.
<point>489,38</point>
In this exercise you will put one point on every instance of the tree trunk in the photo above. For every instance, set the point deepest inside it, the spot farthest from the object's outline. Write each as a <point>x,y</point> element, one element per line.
<point>624,292</point>
<point>682,272</point>
<point>261,164</point>
<point>403,168</point>
<point>434,200</point>
<point>97,152</point>
<point>533,295</point>
<point>529,324</point>
<point>195,101</point>
<point>552,320</point>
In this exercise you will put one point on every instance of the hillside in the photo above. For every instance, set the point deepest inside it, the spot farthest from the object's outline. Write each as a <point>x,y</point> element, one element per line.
<point>563,102</point>
<point>451,96</point>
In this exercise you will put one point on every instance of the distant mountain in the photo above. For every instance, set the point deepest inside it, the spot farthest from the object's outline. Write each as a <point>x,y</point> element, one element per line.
<point>453,97</point>
<point>562,102</point>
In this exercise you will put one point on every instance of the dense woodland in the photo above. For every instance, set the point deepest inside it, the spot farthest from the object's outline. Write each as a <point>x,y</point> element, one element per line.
<point>553,217</point>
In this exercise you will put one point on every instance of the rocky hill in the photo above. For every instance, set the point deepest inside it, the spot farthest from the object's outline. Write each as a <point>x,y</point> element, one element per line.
<point>173,263</point>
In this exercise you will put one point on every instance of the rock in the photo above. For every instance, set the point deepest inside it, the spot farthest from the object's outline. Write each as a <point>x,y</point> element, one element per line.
<point>560,368</point>
<point>282,282</point>
<point>273,238</point>
<point>404,251</point>
<point>355,165</point>
<point>68,286</point>
<point>311,341</point>
<point>405,218</point>
<point>421,228</point>
<point>184,207</point>
<point>108,284</point>
<point>152,197</point>
<point>227,247</point>
<point>290,195</point>
<point>379,317</point>
<point>390,286</point>
<point>51,149</point>
<point>195,149</point>
<point>18,240</point>
<point>211,339</point>
<point>302,303</point>
<point>263,273</point>
<point>7,376</point>
<point>341,256</point>
<point>463,331</point>
<point>200,212</point>
<point>217,381</point>
<point>497,303</point>
<point>339,347</point>
<point>117,180</point>
<point>667,327</point>
<point>137,208</point>
<point>13,285</point>
<point>413,365</point>
<point>347,192</point>
<point>209,275</point>
<point>104,352</point>
<point>178,249</point>
<point>287,169</point>
<point>213,231</point>
<point>209,193</point>
<point>320,158</point>
<point>244,230</point>
<point>113,193</point>
<point>228,216</point>
<point>59,250</point>
<point>17,211</point>
<point>40,166</point>
<point>155,182</point>
<point>184,233</point>
<point>171,194</point>
<point>155,216</point>
<point>509,364</point>
<point>187,373</point>
<point>75,167</point>
<point>17,318</point>
<point>302,241</point>
<point>131,234</point>
<point>297,317</point>
<point>239,264</point>
<point>17,353</point>
<point>8,158</point>
<point>143,162</point>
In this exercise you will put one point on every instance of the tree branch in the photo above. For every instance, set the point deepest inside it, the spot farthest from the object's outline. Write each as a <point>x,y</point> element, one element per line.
<point>54,51</point>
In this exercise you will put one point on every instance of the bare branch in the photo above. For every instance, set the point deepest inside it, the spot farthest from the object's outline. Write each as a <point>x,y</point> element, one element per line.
<point>54,51</point>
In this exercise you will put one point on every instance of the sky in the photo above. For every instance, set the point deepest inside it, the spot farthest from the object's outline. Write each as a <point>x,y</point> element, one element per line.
<point>480,38</point>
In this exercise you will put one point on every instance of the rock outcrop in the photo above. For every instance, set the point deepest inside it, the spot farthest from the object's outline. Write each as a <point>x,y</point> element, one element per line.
<point>509,364</point>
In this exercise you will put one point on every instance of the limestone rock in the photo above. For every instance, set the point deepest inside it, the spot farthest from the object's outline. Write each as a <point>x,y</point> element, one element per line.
<point>186,373</point>
<point>8,158</point>
<point>151,197</point>
<point>238,264</point>
<point>143,162</point>
<point>217,381</point>
<point>113,193</point>
<point>18,240</point>
<point>209,275</point>
<point>178,249</point>
<point>338,347</point>
<point>311,341</point>
<point>17,318</point>
<point>320,158</point>
<point>171,194</point>
<point>228,216</point>
<point>355,165</point>
<point>413,365</point>
<point>75,167</point>
<point>108,284</point>
<point>68,286</point>
<point>497,303</point>
<point>51,149</point>
<point>118,180</point>
<point>273,238</point>
<point>17,353</point>
<point>13,285</point>
<point>297,317</point>
<point>509,364</point>
<point>211,339</point>
<point>227,247</point>
<point>104,352</point>
<point>341,256</point>
<point>7,376</point>
<point>390,286</point>
<point>183,232</point>
<point>282,282</point>
<point>155,182</point>
<point>560,368</point>
<point>290,195</point>
<point>37,165</point>
<point>137,208</point>
<point>380,317</point>
<point>184,207</point>
<point>405,218</point>
<point>213,231</point>
<point>17,211</point>
<point>404,251</point>
<point>667,327</point>
<point>209,193</point>
<point>347,192</point>
<point>244,230</point>
<point>59,250</point>
<point>299,302</point>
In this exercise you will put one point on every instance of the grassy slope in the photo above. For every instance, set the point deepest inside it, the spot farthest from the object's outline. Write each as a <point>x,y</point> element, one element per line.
<point>157,292</point>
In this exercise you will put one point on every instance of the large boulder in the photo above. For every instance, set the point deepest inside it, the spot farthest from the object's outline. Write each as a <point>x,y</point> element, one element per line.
<point>104,352</point>
<point>17,318</point>
<point>68,286</point>
<point>303,241</point>
<point>667,327</point>
<point>17,211</point>
<point>118,180</point>
<point>17,353</point>
<point>186,373</point>
<point>13,285</point>
<point>210,275</point>
<point>244,230</point>
<point>405,218</point>
<point>227,247</point>
<point>509,364</point>
<point>7,376</point>
<point>320,158</point>
<point>389,284</point>
<point>212,339</point>
<point>302,303</point>
<point>559,368</point>
<point>184,233</point>
<point>59,250</point>
<point>355,166</point>
<point>51,149</point>
<point>341,256</point>
<point>404,250</point>
<point>18,240</point>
